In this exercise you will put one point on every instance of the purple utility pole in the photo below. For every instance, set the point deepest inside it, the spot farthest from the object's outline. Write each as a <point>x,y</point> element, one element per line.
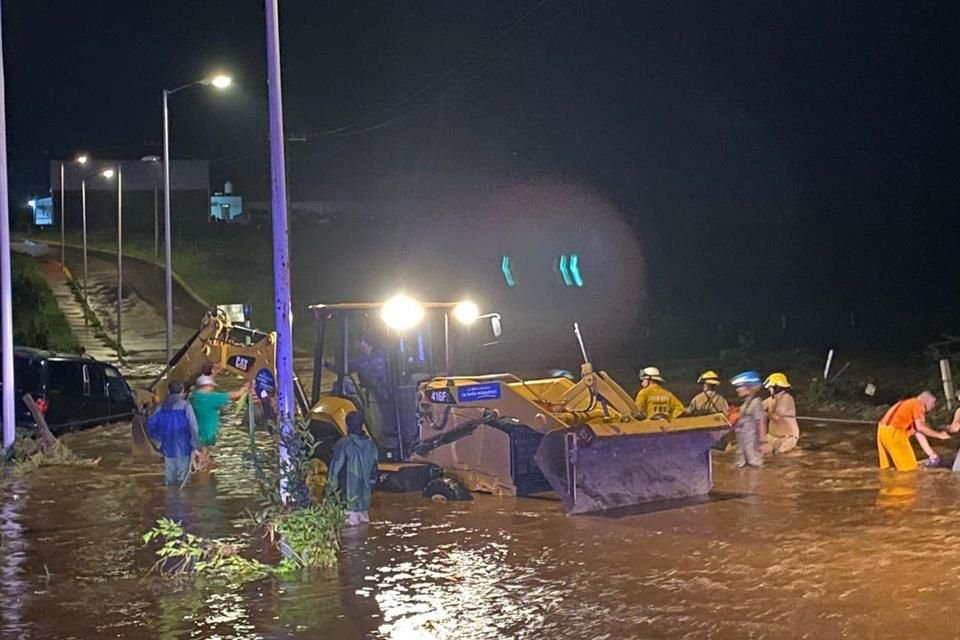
<point>281,248</point>
<point>6,296</point>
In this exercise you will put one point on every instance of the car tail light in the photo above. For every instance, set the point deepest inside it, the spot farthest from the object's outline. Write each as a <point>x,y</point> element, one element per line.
<point>42,405</point>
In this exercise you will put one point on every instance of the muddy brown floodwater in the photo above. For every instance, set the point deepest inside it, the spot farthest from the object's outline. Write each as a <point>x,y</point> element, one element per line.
<point>816,545</point>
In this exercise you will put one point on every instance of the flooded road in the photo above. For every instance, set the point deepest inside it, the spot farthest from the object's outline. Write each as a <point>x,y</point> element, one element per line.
<point>816,545</point>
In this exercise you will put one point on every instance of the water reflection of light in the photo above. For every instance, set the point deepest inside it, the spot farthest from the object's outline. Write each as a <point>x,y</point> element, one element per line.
<point>227,608</point>
<point>454,590</point>
<point>13,547</point>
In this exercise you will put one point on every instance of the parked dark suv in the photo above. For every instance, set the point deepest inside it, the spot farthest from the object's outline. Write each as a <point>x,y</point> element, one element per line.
<point>73,391</point>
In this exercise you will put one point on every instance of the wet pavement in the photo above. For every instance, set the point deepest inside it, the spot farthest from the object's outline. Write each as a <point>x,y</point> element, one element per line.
<point>817,544</point>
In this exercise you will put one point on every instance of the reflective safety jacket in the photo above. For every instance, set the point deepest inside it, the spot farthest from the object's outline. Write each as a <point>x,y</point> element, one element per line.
<point>782,416</point>
<point>654,399</point>
<point>708,402</point>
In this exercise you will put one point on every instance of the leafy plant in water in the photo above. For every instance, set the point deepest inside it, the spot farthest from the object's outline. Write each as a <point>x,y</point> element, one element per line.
<point>307,534</point>
<point>309,538</point>
<point>185,553</point>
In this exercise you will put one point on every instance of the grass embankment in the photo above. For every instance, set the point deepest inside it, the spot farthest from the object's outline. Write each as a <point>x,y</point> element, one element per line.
<point>37,319</point>
<point>223,265</point>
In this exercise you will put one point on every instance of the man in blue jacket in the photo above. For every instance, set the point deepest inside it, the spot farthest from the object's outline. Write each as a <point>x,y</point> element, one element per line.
<point>175,426</point>
<point>352,470</point>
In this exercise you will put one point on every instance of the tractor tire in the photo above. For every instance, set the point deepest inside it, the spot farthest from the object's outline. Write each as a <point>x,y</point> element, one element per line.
<point>446,489</point>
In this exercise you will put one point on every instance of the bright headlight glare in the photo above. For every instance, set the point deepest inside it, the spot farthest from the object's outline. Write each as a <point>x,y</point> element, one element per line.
<point>402,312</point>
<point>466,312</point>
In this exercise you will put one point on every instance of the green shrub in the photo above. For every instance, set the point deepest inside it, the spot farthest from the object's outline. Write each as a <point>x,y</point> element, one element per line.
<point>37,319</point>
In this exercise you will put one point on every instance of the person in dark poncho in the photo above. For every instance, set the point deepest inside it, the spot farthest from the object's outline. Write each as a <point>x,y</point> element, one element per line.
<point>174,425</point>
<point>352,470</point>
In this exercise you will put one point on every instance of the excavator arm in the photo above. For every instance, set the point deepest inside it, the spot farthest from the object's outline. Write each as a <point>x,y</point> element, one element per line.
<point>246,353</point>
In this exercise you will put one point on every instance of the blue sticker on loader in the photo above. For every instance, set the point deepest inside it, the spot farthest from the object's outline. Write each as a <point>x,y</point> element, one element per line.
<point>264,384</point>
<point>478,392</point>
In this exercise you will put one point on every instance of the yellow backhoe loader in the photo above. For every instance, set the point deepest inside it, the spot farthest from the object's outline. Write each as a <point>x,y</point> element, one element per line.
<point>500,434</point>
<point>586,440</point>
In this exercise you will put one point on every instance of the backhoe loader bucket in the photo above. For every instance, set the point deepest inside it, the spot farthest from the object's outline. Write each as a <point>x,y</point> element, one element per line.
<point>596,467</point>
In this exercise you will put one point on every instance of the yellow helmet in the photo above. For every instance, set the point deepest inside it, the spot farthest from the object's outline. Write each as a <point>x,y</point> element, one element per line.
<point>708,377</point>
<point>776,380</point>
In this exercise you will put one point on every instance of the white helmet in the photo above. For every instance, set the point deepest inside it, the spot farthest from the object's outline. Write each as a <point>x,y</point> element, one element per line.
<point>652,373</point>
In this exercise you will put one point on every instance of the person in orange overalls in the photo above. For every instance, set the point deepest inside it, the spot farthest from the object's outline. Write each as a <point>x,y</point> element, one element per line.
<point>904,419</point>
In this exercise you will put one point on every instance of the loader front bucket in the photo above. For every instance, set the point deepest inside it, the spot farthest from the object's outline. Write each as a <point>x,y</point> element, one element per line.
<point>596,468</point>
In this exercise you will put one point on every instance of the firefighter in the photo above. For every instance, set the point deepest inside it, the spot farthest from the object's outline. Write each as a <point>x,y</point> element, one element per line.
<point>782,428</point>
<point>709,400</point>
<point>749,425</point>
<point>653,399</point>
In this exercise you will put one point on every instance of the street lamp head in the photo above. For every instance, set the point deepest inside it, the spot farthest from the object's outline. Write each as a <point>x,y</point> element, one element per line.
<point>151,159</point>
<point>32,204</point>
<point>107,173</point>
<point>220,81</point>
<point>82,158</point>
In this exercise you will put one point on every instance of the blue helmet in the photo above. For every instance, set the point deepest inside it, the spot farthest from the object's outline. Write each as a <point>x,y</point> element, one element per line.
<point>747,378</point>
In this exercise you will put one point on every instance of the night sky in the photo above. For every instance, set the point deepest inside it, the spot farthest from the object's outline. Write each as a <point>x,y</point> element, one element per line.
<point>784,154</point>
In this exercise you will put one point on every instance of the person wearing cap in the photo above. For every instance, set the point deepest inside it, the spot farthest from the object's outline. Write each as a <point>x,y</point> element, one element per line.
<point>353,469</point>
<point>708,401</point>
<point>207,403</point>
<point>782,428</point>
<point>653,399</point>
<point>174,425</point>
<point>904,419</point>
<point>749,425</point>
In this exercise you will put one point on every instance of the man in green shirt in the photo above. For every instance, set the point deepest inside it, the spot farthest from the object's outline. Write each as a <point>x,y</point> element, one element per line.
<point>207,402</point>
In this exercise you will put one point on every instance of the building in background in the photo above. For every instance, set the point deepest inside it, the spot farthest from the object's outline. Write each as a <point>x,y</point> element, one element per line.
<point>226,206</point>
<point>41,211</point>
<point>142,194</point>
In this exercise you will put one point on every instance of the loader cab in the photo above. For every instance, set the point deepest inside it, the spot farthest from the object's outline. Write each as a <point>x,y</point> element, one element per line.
<point>359,358</point>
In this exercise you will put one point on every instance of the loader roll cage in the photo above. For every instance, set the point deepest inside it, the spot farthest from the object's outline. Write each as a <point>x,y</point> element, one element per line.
<point>412,358</point>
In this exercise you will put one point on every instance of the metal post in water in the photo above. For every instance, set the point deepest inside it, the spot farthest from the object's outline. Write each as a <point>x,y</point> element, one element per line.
<point>281,248</point>
<point>946,376</point>
<point>6,293</point>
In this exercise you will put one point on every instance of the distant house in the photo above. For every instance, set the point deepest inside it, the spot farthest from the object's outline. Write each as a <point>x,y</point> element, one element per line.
<point>226,206</point>
<point>42,210</point>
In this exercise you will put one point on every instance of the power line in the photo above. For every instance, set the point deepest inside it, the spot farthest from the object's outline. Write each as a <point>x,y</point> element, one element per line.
<point>344,130</point>
<point>351,129</point>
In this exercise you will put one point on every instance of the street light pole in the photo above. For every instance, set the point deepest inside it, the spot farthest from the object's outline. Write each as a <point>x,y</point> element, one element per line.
<point>6,293</point>
<point>63,215</point>
<point>281,252</point>
<point>109,173</point>
<point>83,206</point>
<point>119,262</point>
<point>218,82</point>
<point>156,218</point>
<point>167,253</point>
